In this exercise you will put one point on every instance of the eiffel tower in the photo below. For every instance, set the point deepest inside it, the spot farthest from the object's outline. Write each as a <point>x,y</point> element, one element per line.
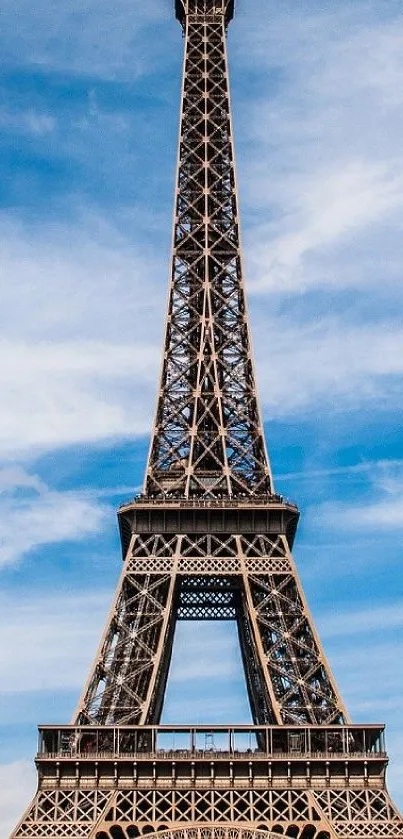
<point>209,539</point>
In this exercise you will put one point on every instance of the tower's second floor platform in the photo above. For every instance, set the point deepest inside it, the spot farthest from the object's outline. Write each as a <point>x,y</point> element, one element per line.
<point>272,515</point>
<point>212,756</point>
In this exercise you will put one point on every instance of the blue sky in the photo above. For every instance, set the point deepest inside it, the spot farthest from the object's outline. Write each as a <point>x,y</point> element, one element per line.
<point>88,122</point>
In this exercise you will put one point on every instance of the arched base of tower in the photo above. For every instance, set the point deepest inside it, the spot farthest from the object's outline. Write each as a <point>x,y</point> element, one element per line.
<point>120,830</point>
<point>247,813</point>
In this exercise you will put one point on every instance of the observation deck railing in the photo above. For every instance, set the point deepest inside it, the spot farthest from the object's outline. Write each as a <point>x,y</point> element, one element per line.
<point>223,501</point>
<point>217,742</point>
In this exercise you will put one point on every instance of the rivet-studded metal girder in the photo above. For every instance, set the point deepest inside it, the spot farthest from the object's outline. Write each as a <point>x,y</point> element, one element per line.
<point>248,578</point>
<point>209,539</point>
<point>76,809</point>
<point>207,439</point>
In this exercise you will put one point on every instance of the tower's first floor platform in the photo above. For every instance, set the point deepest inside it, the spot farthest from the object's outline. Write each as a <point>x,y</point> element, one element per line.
<point>305,782</point>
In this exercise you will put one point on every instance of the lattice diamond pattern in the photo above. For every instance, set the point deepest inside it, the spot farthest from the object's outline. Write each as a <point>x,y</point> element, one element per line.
<point>287,674</point>
<point>302,684</point>
<point>207,442</point>
<point>124,668</point>
<point>228,805</point>
<point>61,813</point>
<point>208,438</point>
<point>364,813</point>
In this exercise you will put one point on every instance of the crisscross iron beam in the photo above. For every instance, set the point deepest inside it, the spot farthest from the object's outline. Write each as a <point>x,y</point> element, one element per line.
<point>209,539</point>
<point>288,678</point>
<point>207,438</point>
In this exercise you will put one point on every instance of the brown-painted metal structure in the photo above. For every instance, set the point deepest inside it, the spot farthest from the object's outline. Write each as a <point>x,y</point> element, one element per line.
<point>209,539</point>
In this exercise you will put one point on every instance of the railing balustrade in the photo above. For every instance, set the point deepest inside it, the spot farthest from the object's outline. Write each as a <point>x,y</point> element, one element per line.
<point>191,742</point>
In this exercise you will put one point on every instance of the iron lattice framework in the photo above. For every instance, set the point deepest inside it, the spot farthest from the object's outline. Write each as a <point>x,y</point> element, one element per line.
<point>209,539</point>
<point>208,438</point>
<point>250,578</point>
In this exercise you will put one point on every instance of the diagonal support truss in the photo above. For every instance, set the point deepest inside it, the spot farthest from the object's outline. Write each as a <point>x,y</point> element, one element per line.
<point>248,578</point>
<point>207,438</point>
<point>209,539</point>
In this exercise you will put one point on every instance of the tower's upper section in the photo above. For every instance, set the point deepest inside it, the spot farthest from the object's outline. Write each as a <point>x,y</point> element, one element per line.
<point>207,439</point>
<point>224,8</point>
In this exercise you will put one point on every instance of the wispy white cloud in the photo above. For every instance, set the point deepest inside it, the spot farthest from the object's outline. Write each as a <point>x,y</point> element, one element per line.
<point>333,204</point>
<point>29,121</point>
<point>369,467</point>
<point>378,508</point>
<point>205,651</point>
<point>49,642</point>
<point>202,709</point>
<point>323,163</point>
<point>78,280</point>
<point>93,42</point>
<point>383,514</point>
<point>358,621</point>
<point>301,365</point>
<point>381,509</point>
<point>32,515</point>
<point>58,393</point>
<point>17,785</point>
<point>368,669</point>
<point>80,344</point>
<point>14,477</point>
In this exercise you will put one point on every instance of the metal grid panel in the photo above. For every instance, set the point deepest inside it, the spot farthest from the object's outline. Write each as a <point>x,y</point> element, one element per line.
<point>207,439</point>
<point>287,675</point>
<point>207,443</point>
